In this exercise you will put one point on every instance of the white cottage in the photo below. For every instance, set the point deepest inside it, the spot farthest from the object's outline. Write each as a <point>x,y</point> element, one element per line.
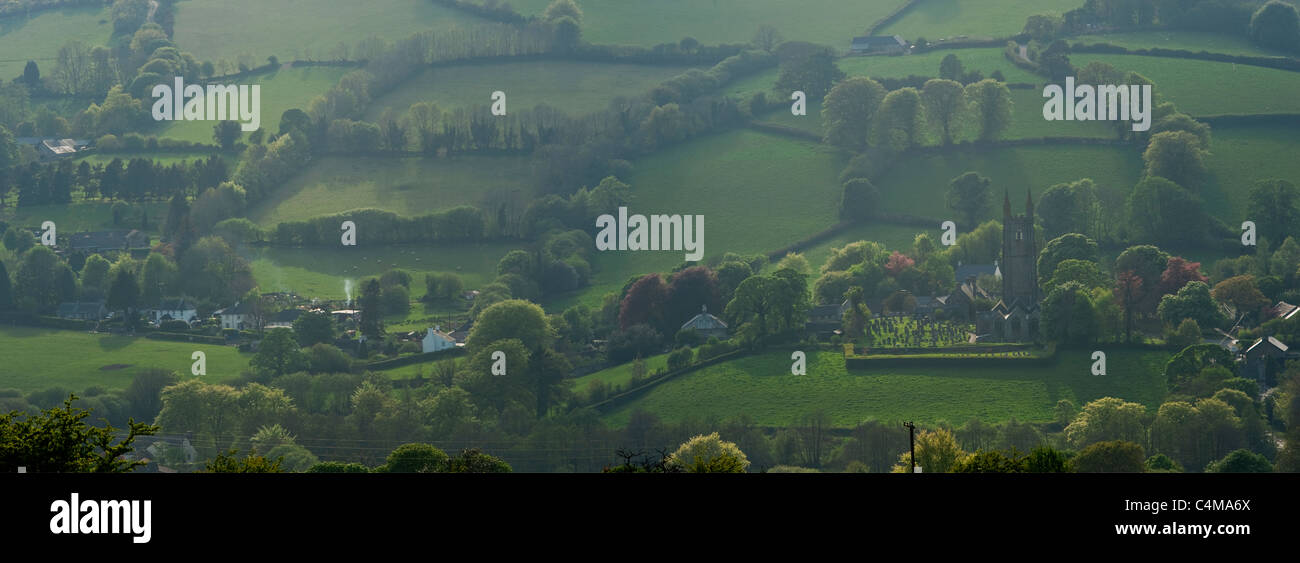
<point>436,340</point>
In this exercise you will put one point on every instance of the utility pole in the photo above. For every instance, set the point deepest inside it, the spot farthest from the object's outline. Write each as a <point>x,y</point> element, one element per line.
<point>911,442</point>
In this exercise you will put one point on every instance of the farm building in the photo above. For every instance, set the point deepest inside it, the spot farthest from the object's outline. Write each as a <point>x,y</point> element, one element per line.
<point>51,148</point>
<point>872,44</point>
<point>82,311</point>
<point>706,325</point>
<point>1265,357</point>
<point>284,319</point>
<point>1284,310</point>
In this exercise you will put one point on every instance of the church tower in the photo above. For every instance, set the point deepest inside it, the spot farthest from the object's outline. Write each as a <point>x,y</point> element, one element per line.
<point>1019,255</point>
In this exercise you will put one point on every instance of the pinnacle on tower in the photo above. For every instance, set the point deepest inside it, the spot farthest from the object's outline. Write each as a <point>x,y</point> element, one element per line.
<point>1029,203</point>
<point>1006,205</point>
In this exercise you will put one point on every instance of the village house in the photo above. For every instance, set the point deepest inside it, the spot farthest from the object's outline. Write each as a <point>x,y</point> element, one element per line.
<point>874,44</point>
<point>238,317</point>
<point>706,325</point>
<point>82,311</point>
<point>173,310</point>
<point>435,340</point>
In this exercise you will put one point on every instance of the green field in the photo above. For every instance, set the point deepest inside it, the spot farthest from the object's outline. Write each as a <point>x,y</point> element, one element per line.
<point>290,29</point>
<point>36,358</point>
<point>281,90</point>
<point>1241,155</point>
<point>1210,88</point>
<point>39,37</point>
<point>620,22</point>
<point>939,19</point>
<point>918,185</point>
<point>406,186</point>
<point>762,388</point>
<point>79,216</point>
<point>985,60</point>
<point>757,192</point>
<point>575,88</point>
<point>325,272</point>
<point>1194,41</point>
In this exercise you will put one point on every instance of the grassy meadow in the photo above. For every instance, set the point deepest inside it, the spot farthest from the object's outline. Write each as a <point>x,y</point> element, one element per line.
<point>575,88</point>
<point>762,388</point>
<point>291,29</point>
<point>795,181</point>
<point>282,89</point>
<point>406,186</point>
<point>620,374</point>
<point>39,37</point>
<point>1239,156</point>
<point>80,216</point>
<point>1207,87</point>
<point>38,358</point>
<point>328,273</point>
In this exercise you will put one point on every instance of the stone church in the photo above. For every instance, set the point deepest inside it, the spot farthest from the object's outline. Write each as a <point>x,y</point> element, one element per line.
<point>1015,317</point>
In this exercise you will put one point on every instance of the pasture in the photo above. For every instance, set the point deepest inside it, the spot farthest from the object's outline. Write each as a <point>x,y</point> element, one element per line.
<point>762,388</point>
<point>619,22</point>
<point>281,90</point>
<point>39,37</point>
<point>757,192</point>
<point>39,358</point>
<point>306,29</point>
<point>80,216</point>
<point>575,88</point>
<point>1207,87</point>
<point>407,186</point>
<point>939,19</point>
<point>619,375</point>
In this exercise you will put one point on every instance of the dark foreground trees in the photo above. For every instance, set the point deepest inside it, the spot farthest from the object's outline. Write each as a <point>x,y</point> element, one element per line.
<point>58,440</point>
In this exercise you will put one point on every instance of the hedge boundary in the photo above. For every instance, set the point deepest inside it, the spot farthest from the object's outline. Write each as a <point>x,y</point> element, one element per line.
<point>1278,63</point>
